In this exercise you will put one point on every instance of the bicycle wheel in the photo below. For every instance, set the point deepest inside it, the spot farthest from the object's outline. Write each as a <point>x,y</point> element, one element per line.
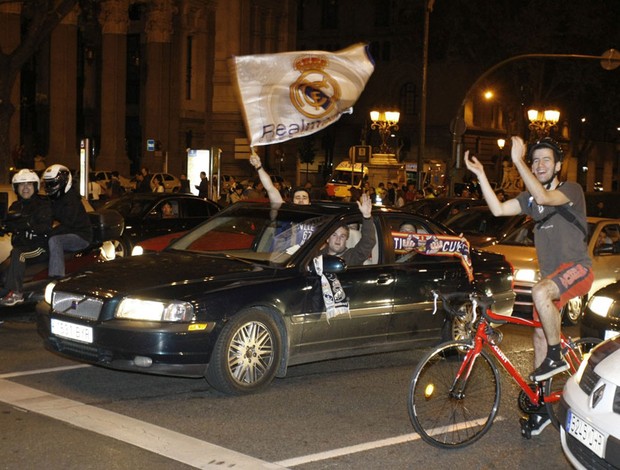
<point>553,387</point>
<point>450,413</point>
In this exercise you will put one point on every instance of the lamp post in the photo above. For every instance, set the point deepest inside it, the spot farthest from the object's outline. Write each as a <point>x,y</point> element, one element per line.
<point>385,122</point>
<point>542,122</point>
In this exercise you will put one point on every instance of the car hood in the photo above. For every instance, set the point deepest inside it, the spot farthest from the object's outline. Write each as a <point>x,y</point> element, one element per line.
<point>521,257</point>
<point>606,360</point>
<point>156,274</point>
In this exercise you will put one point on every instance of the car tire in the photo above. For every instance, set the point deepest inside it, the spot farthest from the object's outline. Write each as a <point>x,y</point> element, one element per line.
<point>573,310</point>
<point>122,247</point>
<point>458,328</point>
<point>246,355</point>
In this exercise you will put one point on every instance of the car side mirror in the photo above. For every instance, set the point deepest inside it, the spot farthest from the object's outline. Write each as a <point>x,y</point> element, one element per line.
<point>333,264</point>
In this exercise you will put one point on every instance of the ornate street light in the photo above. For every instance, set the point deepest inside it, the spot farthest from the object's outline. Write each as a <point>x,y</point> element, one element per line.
<point>501,143</point>
<point>385,122</point>
<point>542,122</point>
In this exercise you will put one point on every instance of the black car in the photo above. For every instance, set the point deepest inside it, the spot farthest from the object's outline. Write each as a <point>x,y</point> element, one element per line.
<point>481,227</point>
<point>601,318</point>
<point>240,298</point>
<point>149,215</point>
<point>441,209</point>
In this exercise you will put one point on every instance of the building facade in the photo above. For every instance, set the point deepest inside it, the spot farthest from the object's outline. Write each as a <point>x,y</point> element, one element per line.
<point>123,72</point>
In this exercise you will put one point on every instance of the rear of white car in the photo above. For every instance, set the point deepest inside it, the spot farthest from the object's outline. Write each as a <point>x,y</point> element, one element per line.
<point>590,411</point>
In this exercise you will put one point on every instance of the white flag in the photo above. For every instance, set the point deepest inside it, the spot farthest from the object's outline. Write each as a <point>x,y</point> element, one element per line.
<point>294,94</point>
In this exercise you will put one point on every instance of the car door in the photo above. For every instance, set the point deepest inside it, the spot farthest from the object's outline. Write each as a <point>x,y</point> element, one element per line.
<point>416,276</point>
<point>605,254</point>
<point>369,288</point>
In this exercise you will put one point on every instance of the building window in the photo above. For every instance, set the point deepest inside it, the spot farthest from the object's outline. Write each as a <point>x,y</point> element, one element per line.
<point>382,13</point>
<point>408,98</point>
<point>329,14</point>
<point>188,68</point>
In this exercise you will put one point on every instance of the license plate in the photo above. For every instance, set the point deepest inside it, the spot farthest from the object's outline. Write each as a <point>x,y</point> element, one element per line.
<point>611,333</point>
<point>586,434</point>
<point>72,331</point>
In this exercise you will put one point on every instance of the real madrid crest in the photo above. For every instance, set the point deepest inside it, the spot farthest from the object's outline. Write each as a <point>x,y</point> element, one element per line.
<point>315,93</point>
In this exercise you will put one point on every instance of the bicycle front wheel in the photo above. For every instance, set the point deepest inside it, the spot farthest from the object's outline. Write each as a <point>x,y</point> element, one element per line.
<point>450,412</point>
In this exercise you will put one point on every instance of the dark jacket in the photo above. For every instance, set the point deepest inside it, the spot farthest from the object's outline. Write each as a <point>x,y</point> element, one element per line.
<point>71,215</point>
<point>203,188</point>
<point>33,225</point>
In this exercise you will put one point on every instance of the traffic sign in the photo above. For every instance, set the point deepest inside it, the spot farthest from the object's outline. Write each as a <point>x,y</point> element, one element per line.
<point>150,145</point>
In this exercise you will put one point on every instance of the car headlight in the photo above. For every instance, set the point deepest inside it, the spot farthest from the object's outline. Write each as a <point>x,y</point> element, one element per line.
<point>526,275</point>
<point>600,305</point>
<point>49,290</point>
<point>137,251</point>
<point>154,310</point>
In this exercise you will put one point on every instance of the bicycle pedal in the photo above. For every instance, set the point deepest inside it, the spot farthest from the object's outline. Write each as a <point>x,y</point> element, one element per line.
<point>526,431</point>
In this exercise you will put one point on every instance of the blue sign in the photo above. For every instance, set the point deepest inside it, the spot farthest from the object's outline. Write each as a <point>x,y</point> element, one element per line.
<point>150,145</point>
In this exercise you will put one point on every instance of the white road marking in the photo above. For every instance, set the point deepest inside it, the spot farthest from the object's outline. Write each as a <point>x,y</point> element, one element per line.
<point>41,371</point>
<point>170,444</point>
<point>330,454</point>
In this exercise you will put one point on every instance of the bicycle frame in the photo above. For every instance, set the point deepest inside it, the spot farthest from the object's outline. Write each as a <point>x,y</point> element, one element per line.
<point>481,339</point>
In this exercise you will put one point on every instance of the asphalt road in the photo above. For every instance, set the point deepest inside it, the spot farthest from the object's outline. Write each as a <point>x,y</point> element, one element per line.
<point>344,414</point>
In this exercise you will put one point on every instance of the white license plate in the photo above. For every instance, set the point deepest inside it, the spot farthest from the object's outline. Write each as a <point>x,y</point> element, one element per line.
<point>72,331</point>
<point>586,434</point>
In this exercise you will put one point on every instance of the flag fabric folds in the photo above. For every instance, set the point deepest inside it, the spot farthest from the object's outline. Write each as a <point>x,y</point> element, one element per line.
<point>294,94</point>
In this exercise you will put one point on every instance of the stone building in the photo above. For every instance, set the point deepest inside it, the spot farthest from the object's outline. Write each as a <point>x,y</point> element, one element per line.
<point>126,71</point>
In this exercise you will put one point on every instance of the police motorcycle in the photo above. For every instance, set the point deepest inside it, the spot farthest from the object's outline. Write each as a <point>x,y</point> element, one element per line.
<point>107,226</point>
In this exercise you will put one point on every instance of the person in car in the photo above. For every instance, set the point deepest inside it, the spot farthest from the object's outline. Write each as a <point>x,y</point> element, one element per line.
<point>300,195</point>
<point>30,229</point>
<point>565,266</point>
<point>72,230</point>
<point>337,241</point>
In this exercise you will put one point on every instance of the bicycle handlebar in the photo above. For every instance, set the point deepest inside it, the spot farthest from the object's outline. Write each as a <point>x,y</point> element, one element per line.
<point>477,299</point>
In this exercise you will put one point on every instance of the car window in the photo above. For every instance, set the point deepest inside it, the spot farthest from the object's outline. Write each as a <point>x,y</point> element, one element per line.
<point>198,208</point>
<point>608,240</point>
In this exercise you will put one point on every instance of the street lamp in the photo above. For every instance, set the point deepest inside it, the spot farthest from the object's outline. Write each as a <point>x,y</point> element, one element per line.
<point>542,122</point>
<point>385,122</point>
<point>501,143</point>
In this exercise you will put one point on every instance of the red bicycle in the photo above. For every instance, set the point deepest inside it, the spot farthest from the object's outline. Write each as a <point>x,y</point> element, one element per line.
<point>455,390</point>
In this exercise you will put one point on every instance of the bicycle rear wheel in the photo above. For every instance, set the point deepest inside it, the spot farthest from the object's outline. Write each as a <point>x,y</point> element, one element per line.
<point>450,413</point>
<point>553,387</point>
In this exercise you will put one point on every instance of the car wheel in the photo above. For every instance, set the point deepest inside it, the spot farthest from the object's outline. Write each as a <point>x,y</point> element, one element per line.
<point>246,354</point>
<point>122,248</point>
<point>458,328</point>
<point>571,312</point>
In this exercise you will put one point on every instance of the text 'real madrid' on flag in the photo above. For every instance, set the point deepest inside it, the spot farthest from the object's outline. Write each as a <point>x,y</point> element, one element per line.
<point>294,94</point>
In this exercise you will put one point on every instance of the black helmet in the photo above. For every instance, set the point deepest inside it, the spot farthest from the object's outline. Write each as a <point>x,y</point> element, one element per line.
<point>548,143</point>
<point>57,180</point>
<point>25,176</point>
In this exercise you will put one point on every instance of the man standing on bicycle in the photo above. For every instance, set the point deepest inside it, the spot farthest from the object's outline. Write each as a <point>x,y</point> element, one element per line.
<point>561,246</point>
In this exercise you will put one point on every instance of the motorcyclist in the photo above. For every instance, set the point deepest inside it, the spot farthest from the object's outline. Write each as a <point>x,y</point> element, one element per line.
<point>29,220</point>
<point>72,230</point>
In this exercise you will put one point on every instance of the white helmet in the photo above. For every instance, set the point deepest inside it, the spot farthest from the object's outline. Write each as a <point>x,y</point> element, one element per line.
<point>57,179</point>
<point>25,176</point>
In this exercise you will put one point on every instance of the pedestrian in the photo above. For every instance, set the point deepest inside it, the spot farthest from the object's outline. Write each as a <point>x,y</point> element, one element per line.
<point>203,187</point>
<point>72,229</point>
<point>237,194</point>
<point>185,187</point>
<point>30,230</point>
<point>158,187</point>
<point>560,239</point>
<point>115,188</point>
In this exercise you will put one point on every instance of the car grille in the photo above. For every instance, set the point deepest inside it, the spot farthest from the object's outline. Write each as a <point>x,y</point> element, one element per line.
<point>589,379</point>
<point>79,306</point>
<point>588,458</point>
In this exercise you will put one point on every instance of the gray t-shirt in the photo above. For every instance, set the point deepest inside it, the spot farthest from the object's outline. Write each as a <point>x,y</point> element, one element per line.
<point>557,239</point>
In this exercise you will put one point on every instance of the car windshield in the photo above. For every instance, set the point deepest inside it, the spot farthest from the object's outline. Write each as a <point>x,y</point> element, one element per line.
<point>523,234</point>
<point>254,232</point>
<point>476,222</point>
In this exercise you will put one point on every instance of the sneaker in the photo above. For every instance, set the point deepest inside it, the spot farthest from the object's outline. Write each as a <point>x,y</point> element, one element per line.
<point>12,298</point>
<point>547,369</point>
<point>533,424</point>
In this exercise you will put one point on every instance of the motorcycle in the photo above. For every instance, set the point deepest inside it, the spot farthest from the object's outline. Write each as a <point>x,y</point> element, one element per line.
<point>108,225</point>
